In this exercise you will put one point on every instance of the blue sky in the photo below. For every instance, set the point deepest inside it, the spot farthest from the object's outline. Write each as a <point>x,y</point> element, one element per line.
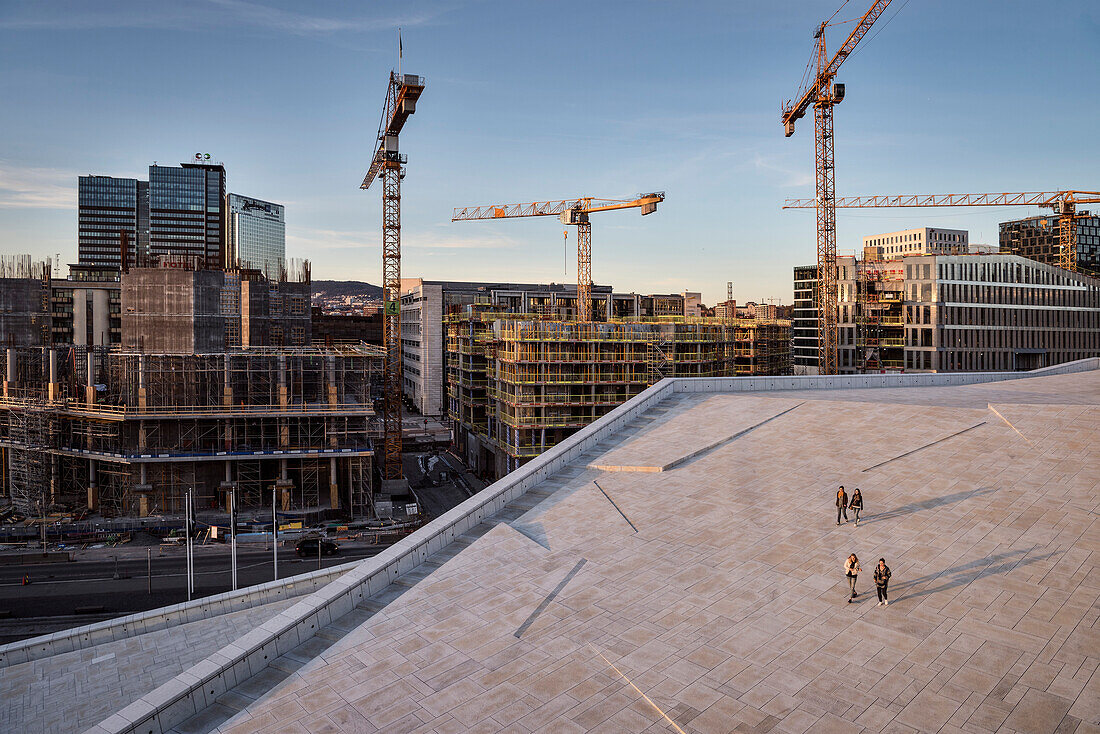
<point>529,101</point>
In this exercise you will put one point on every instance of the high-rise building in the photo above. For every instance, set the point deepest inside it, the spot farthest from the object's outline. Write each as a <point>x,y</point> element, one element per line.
<point>1036,238</point>
<point>178,213</point>
<point>186,206</point>
<point>804,321</point>
<point>255,234</point>
<point>109,208</point>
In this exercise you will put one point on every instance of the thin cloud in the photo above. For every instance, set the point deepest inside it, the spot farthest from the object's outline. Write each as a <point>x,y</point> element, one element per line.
<point>68,15</point>
<point>23,187</point>
<point>791,176</point>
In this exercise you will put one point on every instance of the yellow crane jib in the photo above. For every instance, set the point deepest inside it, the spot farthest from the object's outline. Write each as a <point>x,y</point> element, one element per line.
<point>1064,204</point>
<point>572,212</point>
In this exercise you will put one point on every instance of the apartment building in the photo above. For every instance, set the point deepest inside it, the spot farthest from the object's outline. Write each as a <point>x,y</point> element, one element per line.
<point>516,386</point>
<point>424,304</point>
<point>963,313</point>
<point>804,321</point>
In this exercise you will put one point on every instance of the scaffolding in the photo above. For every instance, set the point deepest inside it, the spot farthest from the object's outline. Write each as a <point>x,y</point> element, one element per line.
<point>879,316</point>
<point>521,385</point>
<point>32,469</point>
<point>134,431</point>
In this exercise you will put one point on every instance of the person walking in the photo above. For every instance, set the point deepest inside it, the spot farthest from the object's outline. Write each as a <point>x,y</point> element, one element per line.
<point>841,504</point>
<point>851,570</point>
<point>882,579</point>
<point>856,504</point>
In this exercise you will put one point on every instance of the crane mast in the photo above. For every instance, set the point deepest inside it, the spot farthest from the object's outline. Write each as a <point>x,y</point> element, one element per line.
<point>572,212</point>
<point>822,93</point>
<point>402,92</point>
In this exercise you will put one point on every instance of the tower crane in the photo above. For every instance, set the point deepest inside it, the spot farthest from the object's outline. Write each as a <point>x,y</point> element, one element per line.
<point>822,93</point>
<point>1064,204</point>
<point>402,92</point>
<point>571,212</point>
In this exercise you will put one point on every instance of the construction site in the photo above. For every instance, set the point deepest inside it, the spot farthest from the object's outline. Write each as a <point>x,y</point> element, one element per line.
<point>127,434</point>
<point>519,384</point>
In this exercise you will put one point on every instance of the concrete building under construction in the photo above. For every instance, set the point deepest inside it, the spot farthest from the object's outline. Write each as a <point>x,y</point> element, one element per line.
<point>128,433</point>
<point>518,385</point>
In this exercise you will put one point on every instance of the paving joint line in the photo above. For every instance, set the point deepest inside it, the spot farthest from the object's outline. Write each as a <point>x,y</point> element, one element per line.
<point>549,598</point>
<point>728,439</point>
<point>605,494</point>
<point>927,445</point>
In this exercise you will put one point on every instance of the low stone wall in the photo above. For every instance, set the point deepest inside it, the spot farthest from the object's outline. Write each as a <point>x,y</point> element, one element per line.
<point>90,635</point>
<point>199,687</point>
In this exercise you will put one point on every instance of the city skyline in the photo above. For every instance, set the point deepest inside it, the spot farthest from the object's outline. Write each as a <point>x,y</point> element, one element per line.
<point>681,99</point>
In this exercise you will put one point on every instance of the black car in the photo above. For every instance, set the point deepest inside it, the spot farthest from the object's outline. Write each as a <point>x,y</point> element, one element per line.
<point>307,547</point>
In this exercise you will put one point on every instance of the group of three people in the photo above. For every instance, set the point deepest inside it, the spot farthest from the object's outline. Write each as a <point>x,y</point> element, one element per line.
<point>851,565</point>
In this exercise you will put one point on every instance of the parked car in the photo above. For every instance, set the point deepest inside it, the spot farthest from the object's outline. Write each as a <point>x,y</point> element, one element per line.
<point>307,547</point>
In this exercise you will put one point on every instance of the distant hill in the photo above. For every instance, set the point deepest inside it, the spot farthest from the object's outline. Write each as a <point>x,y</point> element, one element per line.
<point>346,288</point>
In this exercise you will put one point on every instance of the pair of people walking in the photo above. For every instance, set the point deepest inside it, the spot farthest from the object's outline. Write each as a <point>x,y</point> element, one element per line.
<point>843,504</point>
<point>881,575</point>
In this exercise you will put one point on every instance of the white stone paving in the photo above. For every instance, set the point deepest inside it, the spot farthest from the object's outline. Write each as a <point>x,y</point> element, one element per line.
<point>727,606</point>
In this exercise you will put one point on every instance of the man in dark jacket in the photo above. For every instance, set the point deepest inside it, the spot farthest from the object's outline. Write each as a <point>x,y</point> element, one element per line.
<point>882,579</point>
<point>841,504</point>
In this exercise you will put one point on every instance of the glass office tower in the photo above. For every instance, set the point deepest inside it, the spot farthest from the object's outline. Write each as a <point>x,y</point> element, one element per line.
<point>107,208</point>
<point>186,213</point>
<point>178,212</point>
<point>255,234</point>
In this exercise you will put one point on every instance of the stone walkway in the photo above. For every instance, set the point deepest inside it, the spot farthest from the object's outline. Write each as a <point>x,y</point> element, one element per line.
<point>715,588</point>
<point>76,690</point>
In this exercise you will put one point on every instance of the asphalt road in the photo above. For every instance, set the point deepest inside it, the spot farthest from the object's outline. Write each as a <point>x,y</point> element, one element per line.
<point>85,585</point>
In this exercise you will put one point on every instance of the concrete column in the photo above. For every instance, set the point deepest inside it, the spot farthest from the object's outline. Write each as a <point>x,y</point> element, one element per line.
<point>330,378</point>
<point>282,381</point>
<point>141,382</point>
<point>333,488</point>
<point>284,426</point>
<point>54,387</point>
<point>228,485</point>
<point>144,489</point>
<point>9,377</point>
<point>93,487</point>
<point>227,383</point>
<point>284,485</point>
<point>89,390</point>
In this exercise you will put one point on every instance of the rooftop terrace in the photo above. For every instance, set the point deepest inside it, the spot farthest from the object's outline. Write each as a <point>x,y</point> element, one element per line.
<point>678,568</point>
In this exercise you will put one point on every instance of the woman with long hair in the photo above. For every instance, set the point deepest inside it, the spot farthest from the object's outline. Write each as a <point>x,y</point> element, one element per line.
<point>851,570</point>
